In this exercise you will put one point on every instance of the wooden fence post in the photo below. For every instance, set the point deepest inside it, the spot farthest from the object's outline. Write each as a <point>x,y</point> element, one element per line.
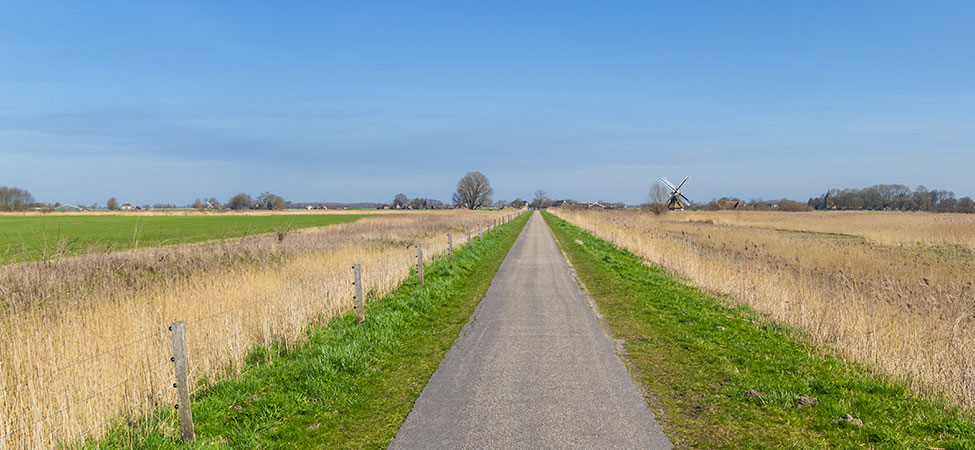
<point>450,244</point>
<point>181,359</point>
<point>480,236</point>
<point>360,303</point>
<point>419,262</point>
<point>468,237</point>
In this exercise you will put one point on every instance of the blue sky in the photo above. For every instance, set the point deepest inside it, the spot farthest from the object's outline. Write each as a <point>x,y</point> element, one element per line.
<point>169,101</point>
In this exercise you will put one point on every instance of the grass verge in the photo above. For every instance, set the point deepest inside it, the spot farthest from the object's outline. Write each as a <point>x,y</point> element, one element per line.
<point>723,377</point>
<point>348,385</point>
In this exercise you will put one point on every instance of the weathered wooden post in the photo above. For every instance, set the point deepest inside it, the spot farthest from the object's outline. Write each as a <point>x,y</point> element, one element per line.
<point>450,244</point>
<point>181,359</point>
<point>360,307</point>
<point>468,237</point>
<point>480,236</point>
<point>419,262</point>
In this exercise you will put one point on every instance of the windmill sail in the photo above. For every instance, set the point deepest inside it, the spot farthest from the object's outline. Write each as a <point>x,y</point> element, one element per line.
<point>677,201</point>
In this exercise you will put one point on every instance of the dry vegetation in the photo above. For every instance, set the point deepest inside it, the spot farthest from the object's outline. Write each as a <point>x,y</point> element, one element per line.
<point>85,339</point>
<point>891,289</point>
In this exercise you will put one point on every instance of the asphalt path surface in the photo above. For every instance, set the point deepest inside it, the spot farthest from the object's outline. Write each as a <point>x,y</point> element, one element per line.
<point>532,369</point>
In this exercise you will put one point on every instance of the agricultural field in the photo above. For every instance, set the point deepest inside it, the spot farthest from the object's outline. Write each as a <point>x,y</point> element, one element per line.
<point>85,340</point>
<point>34,237</point>
<point>892,290</point>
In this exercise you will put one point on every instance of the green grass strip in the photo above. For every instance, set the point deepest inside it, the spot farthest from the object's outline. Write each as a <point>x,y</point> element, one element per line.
<point>701,357</point>
<point>348,385</point>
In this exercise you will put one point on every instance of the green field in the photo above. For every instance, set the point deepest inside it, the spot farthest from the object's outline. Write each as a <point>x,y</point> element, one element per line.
<point>32,238</point>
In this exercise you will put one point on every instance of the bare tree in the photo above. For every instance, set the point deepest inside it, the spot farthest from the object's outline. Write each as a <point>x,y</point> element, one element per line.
<point>112,204</point>
<point>14,199</point>
<point>658,199</point>
<point>473,191</point>
<point>541,200</point>
<point>518,203</point>
<point>268,200</point>
<point>400,200</point>
<point>240,201</point>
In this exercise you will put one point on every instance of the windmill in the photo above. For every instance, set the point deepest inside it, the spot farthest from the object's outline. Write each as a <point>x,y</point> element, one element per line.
<point>677,200</point>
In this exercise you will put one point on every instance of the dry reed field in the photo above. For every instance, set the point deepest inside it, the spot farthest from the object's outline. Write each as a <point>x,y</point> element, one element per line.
<point>894,290</point>
<point>84,341</point>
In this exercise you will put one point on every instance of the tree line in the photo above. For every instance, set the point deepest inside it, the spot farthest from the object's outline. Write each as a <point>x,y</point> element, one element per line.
<point>893,197</point>
<point>15,199</point>
<point>243,201</point>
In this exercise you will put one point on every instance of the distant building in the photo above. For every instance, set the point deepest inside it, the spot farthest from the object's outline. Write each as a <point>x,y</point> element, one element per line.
<point>63,208</point>
<point>128,207</point>
<point>732,204</point>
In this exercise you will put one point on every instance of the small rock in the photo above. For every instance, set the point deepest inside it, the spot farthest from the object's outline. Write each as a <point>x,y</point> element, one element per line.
<point>236,408</point>
<point>721,328</point>
<point>313,426</point>
<point>850,420</point>
<point>806,400</point>
<point>753,394</point>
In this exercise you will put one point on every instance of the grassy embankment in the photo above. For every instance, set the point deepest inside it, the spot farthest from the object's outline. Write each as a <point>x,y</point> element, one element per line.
<point>723,377</point>
<point>348,385</point>
<point>35,237</point>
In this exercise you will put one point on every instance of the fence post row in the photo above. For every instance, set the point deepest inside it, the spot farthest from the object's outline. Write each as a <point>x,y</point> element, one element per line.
<point>360,309</point>
<point>181,360</point>
<point>419,262</point>
<point>450,244</point>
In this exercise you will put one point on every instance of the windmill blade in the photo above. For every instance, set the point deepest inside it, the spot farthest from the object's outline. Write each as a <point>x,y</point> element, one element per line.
<point>685,198</point>
<point>682,183</point>
<point>668,183</point>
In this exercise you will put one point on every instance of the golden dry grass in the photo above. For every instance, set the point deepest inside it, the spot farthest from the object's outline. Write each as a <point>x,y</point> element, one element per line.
<point>882,227</point>
<point>85,339</point>
<point>894,290</point>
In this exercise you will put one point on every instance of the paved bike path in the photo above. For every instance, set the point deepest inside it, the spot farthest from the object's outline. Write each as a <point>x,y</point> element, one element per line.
<point>532,369</point>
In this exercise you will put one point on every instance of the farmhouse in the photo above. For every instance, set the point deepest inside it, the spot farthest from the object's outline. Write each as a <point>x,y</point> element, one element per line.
<point>127,207</point>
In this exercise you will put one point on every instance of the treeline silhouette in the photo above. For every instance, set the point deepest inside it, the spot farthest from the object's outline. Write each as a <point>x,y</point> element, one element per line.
<point>893,197</point>
<point>15,199</point>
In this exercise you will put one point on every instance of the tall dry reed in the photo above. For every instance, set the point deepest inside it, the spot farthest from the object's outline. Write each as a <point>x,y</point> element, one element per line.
<point>84,341</point>
<point>858,282</point>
